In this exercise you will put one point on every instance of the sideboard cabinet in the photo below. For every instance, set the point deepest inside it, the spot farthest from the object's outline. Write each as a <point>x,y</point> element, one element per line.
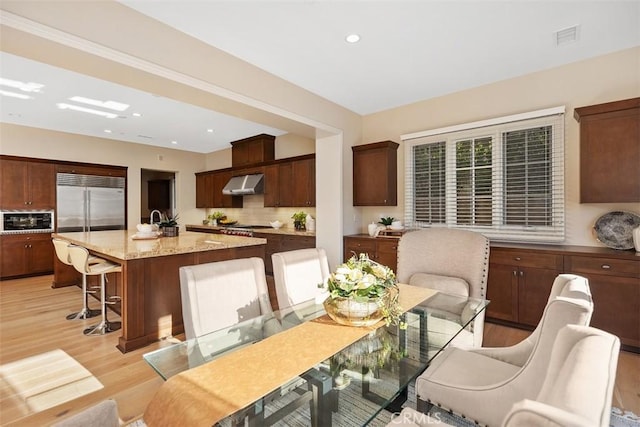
<point>521,276</point>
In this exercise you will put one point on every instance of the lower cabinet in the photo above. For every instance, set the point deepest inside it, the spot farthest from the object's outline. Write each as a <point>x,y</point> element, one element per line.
<point>282,243</point>
<point>615,287</point>
<point>26,254</point>
<point>382,250</point>
<point>519,283</point>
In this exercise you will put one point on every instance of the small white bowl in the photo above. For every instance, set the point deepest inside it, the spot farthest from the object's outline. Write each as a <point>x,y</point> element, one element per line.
<point>276,224</point>
<point>396,227</point>
<point>145,228</point>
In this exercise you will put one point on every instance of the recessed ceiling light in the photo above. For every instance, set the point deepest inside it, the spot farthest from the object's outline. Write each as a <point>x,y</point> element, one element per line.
<point>352,38</point>
<point>107,131</point>
<point>210,130</point>
<point>14,94</point>
<point>25,87</point>
<point>174,142</point>
<point>64,106</point>
<point>111,105</point>
<point>137,115</point>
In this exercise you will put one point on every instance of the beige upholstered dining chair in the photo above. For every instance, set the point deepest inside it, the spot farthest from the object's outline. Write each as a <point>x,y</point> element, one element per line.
<point>297,275</point>
<point>223,293</point>
<point>483,383</point>
<point>577,390</point>
<point>452,261</point>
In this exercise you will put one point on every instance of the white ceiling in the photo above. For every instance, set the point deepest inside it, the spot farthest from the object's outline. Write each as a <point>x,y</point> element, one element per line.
<point>409,51</point>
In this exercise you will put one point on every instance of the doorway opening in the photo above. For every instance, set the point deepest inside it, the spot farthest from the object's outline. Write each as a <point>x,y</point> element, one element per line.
<point>157,192</point>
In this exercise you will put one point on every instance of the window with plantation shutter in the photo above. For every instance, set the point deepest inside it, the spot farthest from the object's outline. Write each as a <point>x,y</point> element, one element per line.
<point>503,177</point>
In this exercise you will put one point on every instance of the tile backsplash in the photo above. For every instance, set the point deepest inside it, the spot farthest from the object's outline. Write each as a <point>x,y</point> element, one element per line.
<point>253,212</point>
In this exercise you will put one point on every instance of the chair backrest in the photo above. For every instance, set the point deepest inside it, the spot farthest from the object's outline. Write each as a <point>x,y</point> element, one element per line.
<point>223,293</point>
<point>62,250</point>
<point>103,414</point>
<point>298,273</point>
<point>579,381</point>
<point>449,252</point>
<point>569,302</point>
<point>79,258</point>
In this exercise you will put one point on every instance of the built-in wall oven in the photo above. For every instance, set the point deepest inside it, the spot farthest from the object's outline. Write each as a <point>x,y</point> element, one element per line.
<point>20,222</point>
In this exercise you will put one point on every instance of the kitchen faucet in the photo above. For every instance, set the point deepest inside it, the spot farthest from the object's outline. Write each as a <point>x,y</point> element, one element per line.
<point>159,216</point>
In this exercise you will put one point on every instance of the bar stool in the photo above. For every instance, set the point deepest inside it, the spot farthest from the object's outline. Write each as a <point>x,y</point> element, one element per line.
<point>62,251</point>
<point>79,258</point>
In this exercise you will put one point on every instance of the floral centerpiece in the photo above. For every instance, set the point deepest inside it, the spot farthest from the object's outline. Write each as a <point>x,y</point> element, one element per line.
<point>362,292</point>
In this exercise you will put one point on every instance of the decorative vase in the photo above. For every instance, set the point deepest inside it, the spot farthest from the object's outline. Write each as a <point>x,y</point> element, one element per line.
<point>351,312</point>
<point>299,225</point>
<point>170,231</point>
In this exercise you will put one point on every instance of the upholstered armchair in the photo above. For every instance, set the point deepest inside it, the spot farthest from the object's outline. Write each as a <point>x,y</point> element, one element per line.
<point>577,390</point>
<point>297,275</point>
<point>482,384</point>
<point>452,261</point>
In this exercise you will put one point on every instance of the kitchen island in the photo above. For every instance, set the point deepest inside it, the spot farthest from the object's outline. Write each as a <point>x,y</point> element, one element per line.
<point>149,285</point>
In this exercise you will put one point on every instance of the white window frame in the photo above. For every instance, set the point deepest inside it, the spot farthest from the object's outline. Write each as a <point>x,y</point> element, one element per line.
<point>494,128</point>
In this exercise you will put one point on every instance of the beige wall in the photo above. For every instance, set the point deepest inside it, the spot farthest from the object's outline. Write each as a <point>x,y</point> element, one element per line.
<point>606,78</point>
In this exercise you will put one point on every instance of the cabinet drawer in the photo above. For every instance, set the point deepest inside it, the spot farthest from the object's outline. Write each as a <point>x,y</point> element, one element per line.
<point>367,246</point>
<point>290,243</point>
<point>607,266</point>
<point>526,259</point>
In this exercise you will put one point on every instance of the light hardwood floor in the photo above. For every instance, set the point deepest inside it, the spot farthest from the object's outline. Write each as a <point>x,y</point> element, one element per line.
<point>32,321</point>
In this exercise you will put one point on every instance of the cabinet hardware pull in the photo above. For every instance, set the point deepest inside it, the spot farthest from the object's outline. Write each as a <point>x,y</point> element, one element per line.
<point>521,273</point>
<point>517,258</point>
<point>515,273</point>
<point>605,266</point>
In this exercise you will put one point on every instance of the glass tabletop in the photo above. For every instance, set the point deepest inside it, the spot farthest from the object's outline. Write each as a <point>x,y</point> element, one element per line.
<point>352,386</point>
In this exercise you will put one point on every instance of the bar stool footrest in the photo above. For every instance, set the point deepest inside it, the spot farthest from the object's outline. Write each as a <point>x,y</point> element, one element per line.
<point>103,328</point>
<point>85,313</point>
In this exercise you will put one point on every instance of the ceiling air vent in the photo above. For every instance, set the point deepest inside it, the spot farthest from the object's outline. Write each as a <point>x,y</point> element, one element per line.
<point>566,35</point>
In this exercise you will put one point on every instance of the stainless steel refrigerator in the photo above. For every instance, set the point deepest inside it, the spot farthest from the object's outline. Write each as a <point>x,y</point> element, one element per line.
<point>90,202</point>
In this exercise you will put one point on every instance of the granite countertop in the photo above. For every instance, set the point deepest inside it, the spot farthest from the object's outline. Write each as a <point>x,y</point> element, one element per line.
<point>120,244</point>
<point>283,230</point>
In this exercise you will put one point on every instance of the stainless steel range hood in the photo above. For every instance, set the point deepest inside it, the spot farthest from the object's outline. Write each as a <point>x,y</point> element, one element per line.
<point>244,184</point>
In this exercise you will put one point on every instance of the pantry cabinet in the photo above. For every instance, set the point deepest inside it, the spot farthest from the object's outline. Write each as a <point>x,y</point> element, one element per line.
<point>27,185</point>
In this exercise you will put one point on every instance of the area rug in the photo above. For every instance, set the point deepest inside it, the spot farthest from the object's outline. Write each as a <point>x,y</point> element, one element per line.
<point>48,379</point>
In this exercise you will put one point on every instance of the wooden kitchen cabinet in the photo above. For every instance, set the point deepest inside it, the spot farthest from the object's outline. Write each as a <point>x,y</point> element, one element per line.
<point>375,174</point>
<point>253,150</point>
<point>282,243</point>
<point>209,187</point>
<point>519,284</point>
<point>615,288</point>
<point>27,185</point>
<point>26,254</point>
<point>381,249</point>
<point>291,182</point>
<point>609,152</point>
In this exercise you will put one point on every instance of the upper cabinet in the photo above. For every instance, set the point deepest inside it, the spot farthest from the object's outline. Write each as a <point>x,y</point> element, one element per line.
<point>27,185</point>
<point>252,151</point>
<point>291,182</point>
<point>375,174</point>
<point>609,152</point>
<point>209,187</point>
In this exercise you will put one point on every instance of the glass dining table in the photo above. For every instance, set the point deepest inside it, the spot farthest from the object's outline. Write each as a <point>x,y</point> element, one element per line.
<point>351,387</point>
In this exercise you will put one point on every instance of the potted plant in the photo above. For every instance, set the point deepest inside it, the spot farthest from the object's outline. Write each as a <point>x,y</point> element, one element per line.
<point>299,220</point>
<point>215,217</point>
<point>169,225</point>
<point>386,221</point>
<point>362,292</point>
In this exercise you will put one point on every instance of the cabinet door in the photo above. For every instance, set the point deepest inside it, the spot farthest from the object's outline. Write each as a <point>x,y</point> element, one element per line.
<point>375,174</point>
<point>285,185</point>
<point>304,182</point>
<point>40,253</point>
<point>14,184</point>
<point>14,259</point>
<point>616,302</point>
<point>502,291</point>
<point>271,186</point>
<point>387,253</point>
<point>204,190</point>
<point>534,286</point>
<point>42,186</point>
